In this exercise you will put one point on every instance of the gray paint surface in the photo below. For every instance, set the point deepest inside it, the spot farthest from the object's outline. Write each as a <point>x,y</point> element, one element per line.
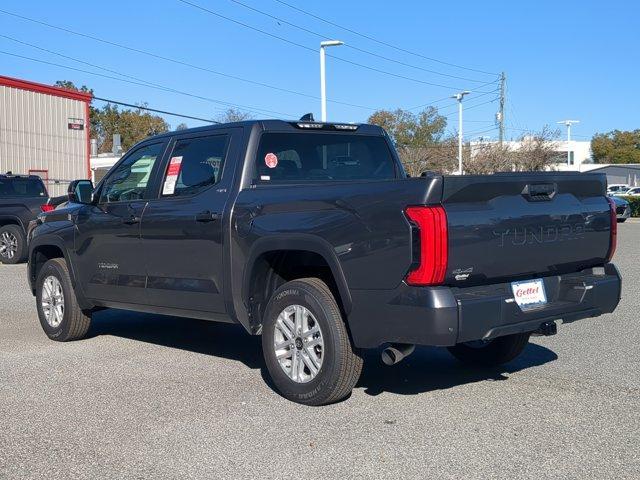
<point>160,397</point>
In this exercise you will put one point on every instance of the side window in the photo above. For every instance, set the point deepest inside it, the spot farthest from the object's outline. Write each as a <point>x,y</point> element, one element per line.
<point>195,164</point>
<point>130,179</point>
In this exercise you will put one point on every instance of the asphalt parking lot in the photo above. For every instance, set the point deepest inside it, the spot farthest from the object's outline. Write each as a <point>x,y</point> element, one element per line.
<point>159,397</point>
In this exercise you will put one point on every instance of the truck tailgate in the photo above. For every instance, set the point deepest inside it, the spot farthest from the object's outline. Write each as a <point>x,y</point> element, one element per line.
<point>510,226</point>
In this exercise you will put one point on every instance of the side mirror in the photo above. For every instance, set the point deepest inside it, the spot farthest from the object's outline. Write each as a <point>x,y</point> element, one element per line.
<point>80,191</point>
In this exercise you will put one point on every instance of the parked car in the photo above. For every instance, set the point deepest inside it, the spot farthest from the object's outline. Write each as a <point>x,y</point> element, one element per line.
<point>632,192</point>
<point>310,235</point>
<point>623,209</point>
<point>617,188</point>
<point>22,198</point>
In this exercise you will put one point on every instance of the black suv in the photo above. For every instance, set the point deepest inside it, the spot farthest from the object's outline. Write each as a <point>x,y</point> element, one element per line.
<point>22,198</point>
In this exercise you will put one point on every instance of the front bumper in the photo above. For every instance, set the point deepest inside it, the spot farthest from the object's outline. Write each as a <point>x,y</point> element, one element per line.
<point>444,316</point>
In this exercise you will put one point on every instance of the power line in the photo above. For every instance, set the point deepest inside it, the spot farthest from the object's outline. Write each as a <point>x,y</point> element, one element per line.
<point>362,50</point>
<point>368,37</point>
<point>299,45</point>
<point>148,85</point>
<point>176,61</point>
<point>477,132</point>
<point>473,106</point>
<point>164,112</point>
<point>449,98</point>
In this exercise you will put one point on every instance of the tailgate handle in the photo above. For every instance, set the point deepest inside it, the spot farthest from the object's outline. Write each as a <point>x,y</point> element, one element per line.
<point>536,192</point>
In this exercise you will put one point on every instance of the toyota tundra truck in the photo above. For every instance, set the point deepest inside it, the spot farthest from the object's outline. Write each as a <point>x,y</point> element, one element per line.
<point>311,235</point>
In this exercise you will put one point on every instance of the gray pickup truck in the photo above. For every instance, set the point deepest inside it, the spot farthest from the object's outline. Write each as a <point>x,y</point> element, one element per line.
<point>311,235</point>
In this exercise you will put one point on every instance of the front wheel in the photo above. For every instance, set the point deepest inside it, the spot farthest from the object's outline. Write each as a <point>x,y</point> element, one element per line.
<point>306,346</point>
<point>492,352</point>
<point>60,316</point>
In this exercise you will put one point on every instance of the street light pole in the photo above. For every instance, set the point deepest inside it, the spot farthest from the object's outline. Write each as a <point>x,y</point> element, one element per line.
<point>323,86</point>
<point>459,97</point>
<point>568,124</point>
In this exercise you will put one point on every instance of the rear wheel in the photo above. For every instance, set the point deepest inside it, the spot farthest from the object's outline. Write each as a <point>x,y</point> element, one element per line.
<point>306,346</point>
<point>13,244</point>
<point>492,352</point>
<point>60,316</point>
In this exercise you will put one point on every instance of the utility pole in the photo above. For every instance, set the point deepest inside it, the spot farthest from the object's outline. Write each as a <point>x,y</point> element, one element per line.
<point>323,83</point>
<point>568,123</point>
<point>459,97</point>
<point>503,80</point>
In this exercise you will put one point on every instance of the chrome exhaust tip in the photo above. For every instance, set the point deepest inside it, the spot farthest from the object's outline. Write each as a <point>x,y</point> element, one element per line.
<point>396,352</point>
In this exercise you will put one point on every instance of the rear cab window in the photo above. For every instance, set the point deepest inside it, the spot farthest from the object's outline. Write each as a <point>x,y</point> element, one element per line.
<point>195,164</point>
<point>22,187</point>
<point>323,157</point>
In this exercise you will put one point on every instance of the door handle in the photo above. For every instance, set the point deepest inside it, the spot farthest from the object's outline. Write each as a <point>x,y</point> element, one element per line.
<point>132,220</point>
<point>207,216</point>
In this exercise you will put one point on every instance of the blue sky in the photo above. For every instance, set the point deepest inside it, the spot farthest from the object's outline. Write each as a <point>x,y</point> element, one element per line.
<point>563,59</point>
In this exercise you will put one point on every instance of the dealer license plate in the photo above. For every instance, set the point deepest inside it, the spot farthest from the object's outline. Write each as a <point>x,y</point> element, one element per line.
<point>529,294</point>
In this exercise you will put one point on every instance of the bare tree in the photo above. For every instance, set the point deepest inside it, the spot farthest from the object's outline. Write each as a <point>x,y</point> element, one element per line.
<point>234,115</point>
<point>440,157</point>
<point>533,152</point>
<point>537,151</point>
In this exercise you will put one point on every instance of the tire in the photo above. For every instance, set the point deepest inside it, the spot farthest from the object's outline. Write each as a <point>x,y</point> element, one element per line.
<point>340,366</point>
<point>70,323</point>
<point>13,245</point>
<point>492,353</point>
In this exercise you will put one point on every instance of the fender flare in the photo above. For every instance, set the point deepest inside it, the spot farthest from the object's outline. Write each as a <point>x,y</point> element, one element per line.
<point>13,220</point>
<point>298,241</point>
<point>55,241</point>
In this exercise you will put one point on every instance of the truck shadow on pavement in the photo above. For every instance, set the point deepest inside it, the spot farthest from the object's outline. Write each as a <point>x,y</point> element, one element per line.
<point>433,368</point>
<point>427,369</point>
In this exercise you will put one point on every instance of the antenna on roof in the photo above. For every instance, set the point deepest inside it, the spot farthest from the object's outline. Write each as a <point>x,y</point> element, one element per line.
<point>307,117</point>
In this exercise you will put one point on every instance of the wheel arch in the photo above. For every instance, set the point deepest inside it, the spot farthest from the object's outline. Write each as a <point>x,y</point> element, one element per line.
<point>42,249</point>
<point>272,263</point>
<point>11,220</point>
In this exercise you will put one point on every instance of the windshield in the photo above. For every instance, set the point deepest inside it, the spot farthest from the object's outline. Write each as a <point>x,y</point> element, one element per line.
<point>318,157</point>
<point>22,187</point>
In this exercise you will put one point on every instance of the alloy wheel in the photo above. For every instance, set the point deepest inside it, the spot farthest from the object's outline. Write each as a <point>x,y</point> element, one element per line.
<point>8,245</point>
<point>52,301</point>
<point>298,343</point>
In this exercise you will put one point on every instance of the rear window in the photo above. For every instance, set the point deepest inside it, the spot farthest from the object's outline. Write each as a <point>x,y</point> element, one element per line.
<point>22,187</point>
<point>317,157</point>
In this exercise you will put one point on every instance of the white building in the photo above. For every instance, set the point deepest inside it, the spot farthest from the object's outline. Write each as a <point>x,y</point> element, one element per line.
<point>578,158</point>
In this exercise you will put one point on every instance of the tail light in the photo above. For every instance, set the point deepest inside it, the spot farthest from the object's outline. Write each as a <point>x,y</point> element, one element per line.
<point>47,207</point>
<point>613,232</point>
<point>432,248</point>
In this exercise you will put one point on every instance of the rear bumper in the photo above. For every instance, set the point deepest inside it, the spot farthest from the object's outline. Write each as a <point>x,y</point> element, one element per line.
<point>445,316</point>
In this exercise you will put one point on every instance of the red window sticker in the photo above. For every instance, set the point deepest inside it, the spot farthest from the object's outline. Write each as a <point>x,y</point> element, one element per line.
<point>271,160</point>
<point>174,166</point>
<point>172,176</point>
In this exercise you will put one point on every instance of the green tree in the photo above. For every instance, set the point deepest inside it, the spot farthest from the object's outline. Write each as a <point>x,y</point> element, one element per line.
<point>418,137</point>
<point>617,146</point>
<point>408,129</point>
<point>133,125</point>
<point>69,85</point>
